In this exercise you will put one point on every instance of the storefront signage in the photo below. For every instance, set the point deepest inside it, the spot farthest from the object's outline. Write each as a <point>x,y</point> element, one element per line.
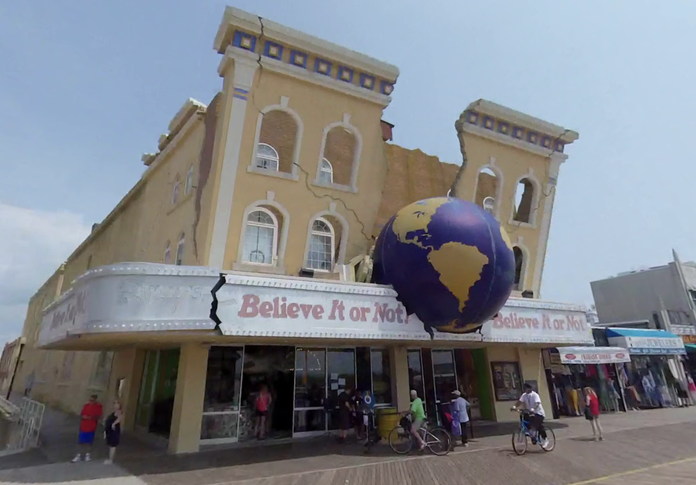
<point>590,355</point>
<point>132,297</point>
<point>689,339</point>
<point>650,345</point>
<point>298,307</point>
<point>538,325</point>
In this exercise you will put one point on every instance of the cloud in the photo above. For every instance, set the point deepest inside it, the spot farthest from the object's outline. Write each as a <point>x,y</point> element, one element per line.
<point>32,245</point>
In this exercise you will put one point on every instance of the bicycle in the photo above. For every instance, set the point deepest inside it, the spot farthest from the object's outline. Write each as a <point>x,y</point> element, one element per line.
<point>437,440</point>
<point>519,437</point>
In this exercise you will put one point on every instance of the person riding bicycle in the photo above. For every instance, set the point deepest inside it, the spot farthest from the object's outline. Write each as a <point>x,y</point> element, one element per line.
<point>417,414</point>
<point>531,402</point>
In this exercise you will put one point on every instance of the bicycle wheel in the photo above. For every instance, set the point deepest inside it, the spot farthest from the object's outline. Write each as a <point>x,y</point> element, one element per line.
<point>519,442</point>
<point>400,440</point>
<point>438,441</point>
<point>551,437</point>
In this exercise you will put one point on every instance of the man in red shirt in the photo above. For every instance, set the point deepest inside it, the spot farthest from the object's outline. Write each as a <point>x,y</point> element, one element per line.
<point>90,415</point>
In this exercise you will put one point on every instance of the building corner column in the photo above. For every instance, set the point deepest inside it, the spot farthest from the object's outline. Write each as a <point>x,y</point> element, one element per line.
<point>124,382</point>
<point>242,82</point>
<point>398,361</point>
<point>185,432</point>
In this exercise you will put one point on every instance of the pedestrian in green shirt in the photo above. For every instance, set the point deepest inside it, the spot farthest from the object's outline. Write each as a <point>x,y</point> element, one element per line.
<point>418,416</point>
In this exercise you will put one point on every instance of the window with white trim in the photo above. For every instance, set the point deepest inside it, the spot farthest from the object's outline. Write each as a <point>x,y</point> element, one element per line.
<point>261,237</point>
<point>321,246</point>
<point>267,157</point>
<point>489,204</point>
<point>168,253</point>
<point>341,147</point>
<point>189,181</point>
<point>326,172</point>
<point>180,250</point>
<point>524,200</point>
<point>175,192</point>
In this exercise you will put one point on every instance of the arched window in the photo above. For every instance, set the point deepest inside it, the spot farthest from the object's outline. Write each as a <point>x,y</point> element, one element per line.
<point>326,172</point>
<point>486,189</point>
<point>489,204</point>
<point>341,147</point>
<point>260,238</point>
<point>180,250</point>
<point>321,246</point>
<point>524,199</point>
<point>519,268</point>
<point>189,181</point>
<point>168,253</point>
<point>175,192</point>
<point>267,157</point>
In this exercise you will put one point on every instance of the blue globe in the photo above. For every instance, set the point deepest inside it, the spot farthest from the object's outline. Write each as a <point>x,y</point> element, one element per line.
<point>450,262</point>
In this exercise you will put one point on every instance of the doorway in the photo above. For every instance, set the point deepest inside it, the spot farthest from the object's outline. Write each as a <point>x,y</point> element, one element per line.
<point>270,367</point>
<point>157,390</point>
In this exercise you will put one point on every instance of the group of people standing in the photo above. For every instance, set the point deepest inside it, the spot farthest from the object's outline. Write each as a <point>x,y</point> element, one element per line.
<point>90,416</point>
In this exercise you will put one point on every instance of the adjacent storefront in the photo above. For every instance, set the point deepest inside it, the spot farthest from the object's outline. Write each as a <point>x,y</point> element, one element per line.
<point>193,381</point>
<point>654,377</point>
<point>572,369</point>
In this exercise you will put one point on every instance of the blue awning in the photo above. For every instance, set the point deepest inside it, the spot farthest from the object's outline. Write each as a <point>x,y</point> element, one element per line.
<point>646,342</point>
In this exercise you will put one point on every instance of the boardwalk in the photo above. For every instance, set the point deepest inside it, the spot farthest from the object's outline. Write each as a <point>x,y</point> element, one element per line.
<point>635,441</point>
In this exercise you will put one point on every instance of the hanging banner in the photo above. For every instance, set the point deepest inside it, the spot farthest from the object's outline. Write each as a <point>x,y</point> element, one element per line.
<point>590,355</point>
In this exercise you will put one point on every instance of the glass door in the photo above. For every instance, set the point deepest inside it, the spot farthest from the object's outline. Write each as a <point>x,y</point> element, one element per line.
<point>341,377</point>
<point>415,374</point>
<point>147,390</point>
<point>220,421</point>
<point>444,376</point>
<point>310,392</point>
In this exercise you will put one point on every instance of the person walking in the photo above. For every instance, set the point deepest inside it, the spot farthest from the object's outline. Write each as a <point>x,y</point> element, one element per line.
<point>461,405</point>
<point>89,420</point>
<point>592,413</point>
<point>263,402</point>
<point>112,431</point>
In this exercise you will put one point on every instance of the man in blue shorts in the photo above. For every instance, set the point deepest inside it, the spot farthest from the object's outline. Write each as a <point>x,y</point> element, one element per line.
<point>89,420</point>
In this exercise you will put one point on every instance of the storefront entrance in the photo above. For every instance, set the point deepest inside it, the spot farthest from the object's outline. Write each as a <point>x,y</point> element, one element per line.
<point>157,389</point>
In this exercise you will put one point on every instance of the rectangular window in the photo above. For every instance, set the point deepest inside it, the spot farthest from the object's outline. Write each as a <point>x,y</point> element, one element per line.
<point>507,381</point>
<point>102,370</point>
<point>381,376</point>
<point>222,394</point>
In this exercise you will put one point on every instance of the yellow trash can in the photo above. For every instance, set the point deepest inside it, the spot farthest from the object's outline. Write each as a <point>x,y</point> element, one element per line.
<point>387,420</point>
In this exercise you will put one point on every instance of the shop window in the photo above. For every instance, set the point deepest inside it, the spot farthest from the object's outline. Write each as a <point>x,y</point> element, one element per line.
<point>381,376</point>
<point>519,268</point>
<point>507,381</point>
<point>278,141</point>
<point>325,172</point>
<point>444,375</point>
<point>180,250</point>
<point>310,390</point>
<point>524,199</point>
<point>222,394</point>
<point>189,181</point>
<point>261,237</point>
<point>168,253</point>
<point>267,157</point>
<point>102,370</point>
<point>363,369</point>
<point>415,373</point>
<point>321,254</point>
<point>175,191</point>
<point>341,147</point>
<point>487,189</point>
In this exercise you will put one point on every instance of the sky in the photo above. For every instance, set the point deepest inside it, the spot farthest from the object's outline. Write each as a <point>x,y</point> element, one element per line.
<point>86,87</point>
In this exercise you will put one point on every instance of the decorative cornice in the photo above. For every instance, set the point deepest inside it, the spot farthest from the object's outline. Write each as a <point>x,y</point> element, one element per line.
<point>156,160</point>
<point>516,117</point>
<point>183,112</point>
<point>476,130</point>
<point>235,17</point>
<point>237,54</point>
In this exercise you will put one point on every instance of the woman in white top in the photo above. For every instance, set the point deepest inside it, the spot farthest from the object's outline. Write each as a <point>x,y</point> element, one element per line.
<point>461,405</point>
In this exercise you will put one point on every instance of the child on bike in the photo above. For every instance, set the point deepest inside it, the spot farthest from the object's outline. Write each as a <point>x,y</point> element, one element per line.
<point>531,402</point>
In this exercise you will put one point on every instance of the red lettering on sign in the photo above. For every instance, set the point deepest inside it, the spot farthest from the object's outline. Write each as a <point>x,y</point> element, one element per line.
<point>250,306</point>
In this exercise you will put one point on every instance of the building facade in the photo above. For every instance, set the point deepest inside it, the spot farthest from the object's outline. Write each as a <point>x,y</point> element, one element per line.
<point>238,259</point>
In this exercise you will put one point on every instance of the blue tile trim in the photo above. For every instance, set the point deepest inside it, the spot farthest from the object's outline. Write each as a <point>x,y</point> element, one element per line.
<point>560,146</point>
<point>237,40</point>
<point>546,141</point>
<point>240,90</point>
<point>386,87</point>
<point>239,96</point>
<point>267,49</point>
<point>317,62</point>
<point>533,137</point>
<point>341,71</point>
<point>294,59</point>
<point>503,127</point>
<point>367,81</point>
<point>488,122</point>
<point>517,132</point>
<point>472,117</point>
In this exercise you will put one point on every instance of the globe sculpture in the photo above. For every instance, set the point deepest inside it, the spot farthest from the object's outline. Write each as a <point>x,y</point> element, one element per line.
<point>450,262</point>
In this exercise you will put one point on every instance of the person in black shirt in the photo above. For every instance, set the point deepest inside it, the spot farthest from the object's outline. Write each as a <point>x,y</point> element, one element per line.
<point>344,411</point>
<point>358,413</point>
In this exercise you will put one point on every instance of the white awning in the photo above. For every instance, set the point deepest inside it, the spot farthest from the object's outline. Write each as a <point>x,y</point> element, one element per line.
<point>590,355</point>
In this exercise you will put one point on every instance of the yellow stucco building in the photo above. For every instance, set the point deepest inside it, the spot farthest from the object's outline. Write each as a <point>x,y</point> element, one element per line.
<point>267,197</point>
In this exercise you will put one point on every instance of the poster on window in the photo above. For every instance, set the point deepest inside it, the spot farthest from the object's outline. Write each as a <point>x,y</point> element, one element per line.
<point>507,381</point>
